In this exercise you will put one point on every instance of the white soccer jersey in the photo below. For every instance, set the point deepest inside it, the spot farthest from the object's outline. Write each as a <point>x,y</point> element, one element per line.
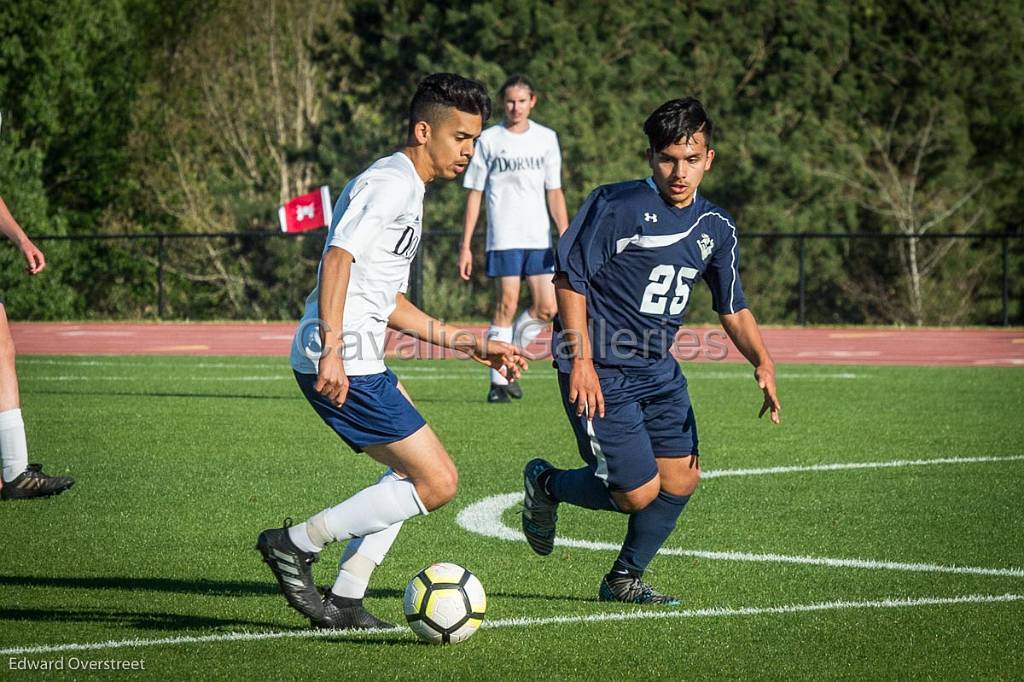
<point>514,170</point>
<point>378,219</point>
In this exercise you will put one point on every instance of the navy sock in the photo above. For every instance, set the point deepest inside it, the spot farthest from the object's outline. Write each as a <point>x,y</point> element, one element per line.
<point>648,529</point>
<point>579,487</point>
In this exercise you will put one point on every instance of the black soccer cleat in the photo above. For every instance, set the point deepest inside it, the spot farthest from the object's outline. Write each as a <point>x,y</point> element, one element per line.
<point>293,569</point>
<point>631,589</point>
<point>32,482</point>
<point>498,394</point>
<point>515,390</point>
<point>341,613</point>
<point>540,510</point>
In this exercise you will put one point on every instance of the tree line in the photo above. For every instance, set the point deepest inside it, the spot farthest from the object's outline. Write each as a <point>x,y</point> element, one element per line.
<point>131,117</point>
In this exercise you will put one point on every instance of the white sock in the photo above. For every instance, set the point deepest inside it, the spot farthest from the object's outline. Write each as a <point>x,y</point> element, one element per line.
<point>527,328</point>
<point>299,536</point>
<point>369,511</point>
<point>13,447</point>
<point>351,585</point>
<point>363,555</point>
<point>499,334</point>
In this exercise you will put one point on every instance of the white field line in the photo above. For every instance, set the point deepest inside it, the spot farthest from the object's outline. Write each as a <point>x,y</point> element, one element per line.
<point>618,616</point>
<point>859,465</point>
<point>484,518</point>
<point>160,379</point>
<point>75,362</point>
<point>282,364</point>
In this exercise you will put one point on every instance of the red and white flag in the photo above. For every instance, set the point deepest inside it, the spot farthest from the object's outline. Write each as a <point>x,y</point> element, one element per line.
<point>307,212</point>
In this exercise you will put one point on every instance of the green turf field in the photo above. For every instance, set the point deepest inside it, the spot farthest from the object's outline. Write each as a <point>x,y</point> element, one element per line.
<point>180,462</point>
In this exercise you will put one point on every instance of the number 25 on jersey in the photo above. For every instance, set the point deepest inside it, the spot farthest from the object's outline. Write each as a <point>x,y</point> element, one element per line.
<point>655,295</point>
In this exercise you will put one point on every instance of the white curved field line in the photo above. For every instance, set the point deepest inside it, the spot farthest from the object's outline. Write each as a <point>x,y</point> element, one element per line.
<point>617,616</point>
<point>484,518</point>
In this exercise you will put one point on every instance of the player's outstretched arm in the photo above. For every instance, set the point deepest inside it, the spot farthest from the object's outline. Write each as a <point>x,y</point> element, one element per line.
<point>34,259</point>
<point>473,201</point>
<point>743,330</point>
<point>584,385</point>
<point>501,356</point>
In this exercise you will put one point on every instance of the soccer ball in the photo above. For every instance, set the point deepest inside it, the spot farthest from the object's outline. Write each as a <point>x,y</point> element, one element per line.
<point>445,604</point>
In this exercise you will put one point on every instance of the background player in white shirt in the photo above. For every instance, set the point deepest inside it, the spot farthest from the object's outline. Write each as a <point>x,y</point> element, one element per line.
<point>338,350</point>
<point>518,167</point>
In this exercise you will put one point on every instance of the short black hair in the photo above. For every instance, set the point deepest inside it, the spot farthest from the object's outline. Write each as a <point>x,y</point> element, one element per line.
<point>440,91</point>
<point>516,80</point>
<point>678,120</point>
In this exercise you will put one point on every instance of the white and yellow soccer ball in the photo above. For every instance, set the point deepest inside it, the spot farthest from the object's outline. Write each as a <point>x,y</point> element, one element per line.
<point>445,604</point>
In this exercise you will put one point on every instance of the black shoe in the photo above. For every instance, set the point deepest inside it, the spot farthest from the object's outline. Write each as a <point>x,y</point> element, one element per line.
<point>293,569</point>
<point>32,482</point>
<point>515,390</point>
<point>341,613</point>
<point>631,589</point>
<point>498,394</point>
<point>540,510</point>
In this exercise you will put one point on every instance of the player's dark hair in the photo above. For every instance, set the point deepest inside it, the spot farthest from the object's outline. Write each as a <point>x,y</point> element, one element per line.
<point>516,80</point>
<point>678,120</point>
<point>440,91</point>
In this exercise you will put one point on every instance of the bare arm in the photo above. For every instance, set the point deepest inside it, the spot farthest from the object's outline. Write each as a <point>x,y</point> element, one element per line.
<point>469,226</point>
<point>556,207</point>
<point>335,272</point>
<point>34,259</point>
<point>584,385</point>
<point>743,330</point>
<point>410,320</point>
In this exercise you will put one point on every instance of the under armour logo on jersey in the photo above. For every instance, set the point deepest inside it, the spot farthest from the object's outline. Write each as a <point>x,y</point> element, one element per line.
<point>706,244</point>
<point>650,217</point>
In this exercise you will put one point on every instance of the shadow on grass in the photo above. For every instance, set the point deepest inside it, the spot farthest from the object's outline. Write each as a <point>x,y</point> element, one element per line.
<point>161,394</point>
<point>221,588</point>
<point>140,620</point>
<point>217,588</point>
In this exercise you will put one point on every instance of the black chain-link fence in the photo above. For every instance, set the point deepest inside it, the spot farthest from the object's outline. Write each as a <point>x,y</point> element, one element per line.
<point>799,278</point>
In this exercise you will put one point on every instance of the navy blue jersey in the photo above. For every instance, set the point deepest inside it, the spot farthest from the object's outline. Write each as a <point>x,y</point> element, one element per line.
<point>636,258</point>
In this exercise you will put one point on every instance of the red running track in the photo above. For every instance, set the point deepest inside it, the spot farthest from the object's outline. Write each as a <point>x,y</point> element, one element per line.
<point>869,346</point>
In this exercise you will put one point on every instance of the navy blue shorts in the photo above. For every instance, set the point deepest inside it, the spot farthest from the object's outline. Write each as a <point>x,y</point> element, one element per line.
<point>520,262</point>
<point>646,417</point>
<point>374,413</point>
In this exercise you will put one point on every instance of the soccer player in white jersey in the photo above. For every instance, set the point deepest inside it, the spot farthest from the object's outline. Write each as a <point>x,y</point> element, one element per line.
<point>518,167</point>
<point>21,480</point>
<point>337,356</point>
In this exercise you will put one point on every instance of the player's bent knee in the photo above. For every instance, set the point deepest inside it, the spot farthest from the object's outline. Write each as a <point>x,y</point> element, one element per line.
<point>546,313</point>
<point>635,500</point>
<point>679,476</point>
<point>439,489</point>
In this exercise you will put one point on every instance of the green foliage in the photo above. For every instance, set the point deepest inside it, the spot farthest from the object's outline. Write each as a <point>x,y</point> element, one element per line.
<point>135,116</point>
<point>67,77</point>
<point>801,94</point>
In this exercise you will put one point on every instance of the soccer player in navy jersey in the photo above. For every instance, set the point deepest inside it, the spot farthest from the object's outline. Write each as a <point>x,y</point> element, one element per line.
<point>623,275</point>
